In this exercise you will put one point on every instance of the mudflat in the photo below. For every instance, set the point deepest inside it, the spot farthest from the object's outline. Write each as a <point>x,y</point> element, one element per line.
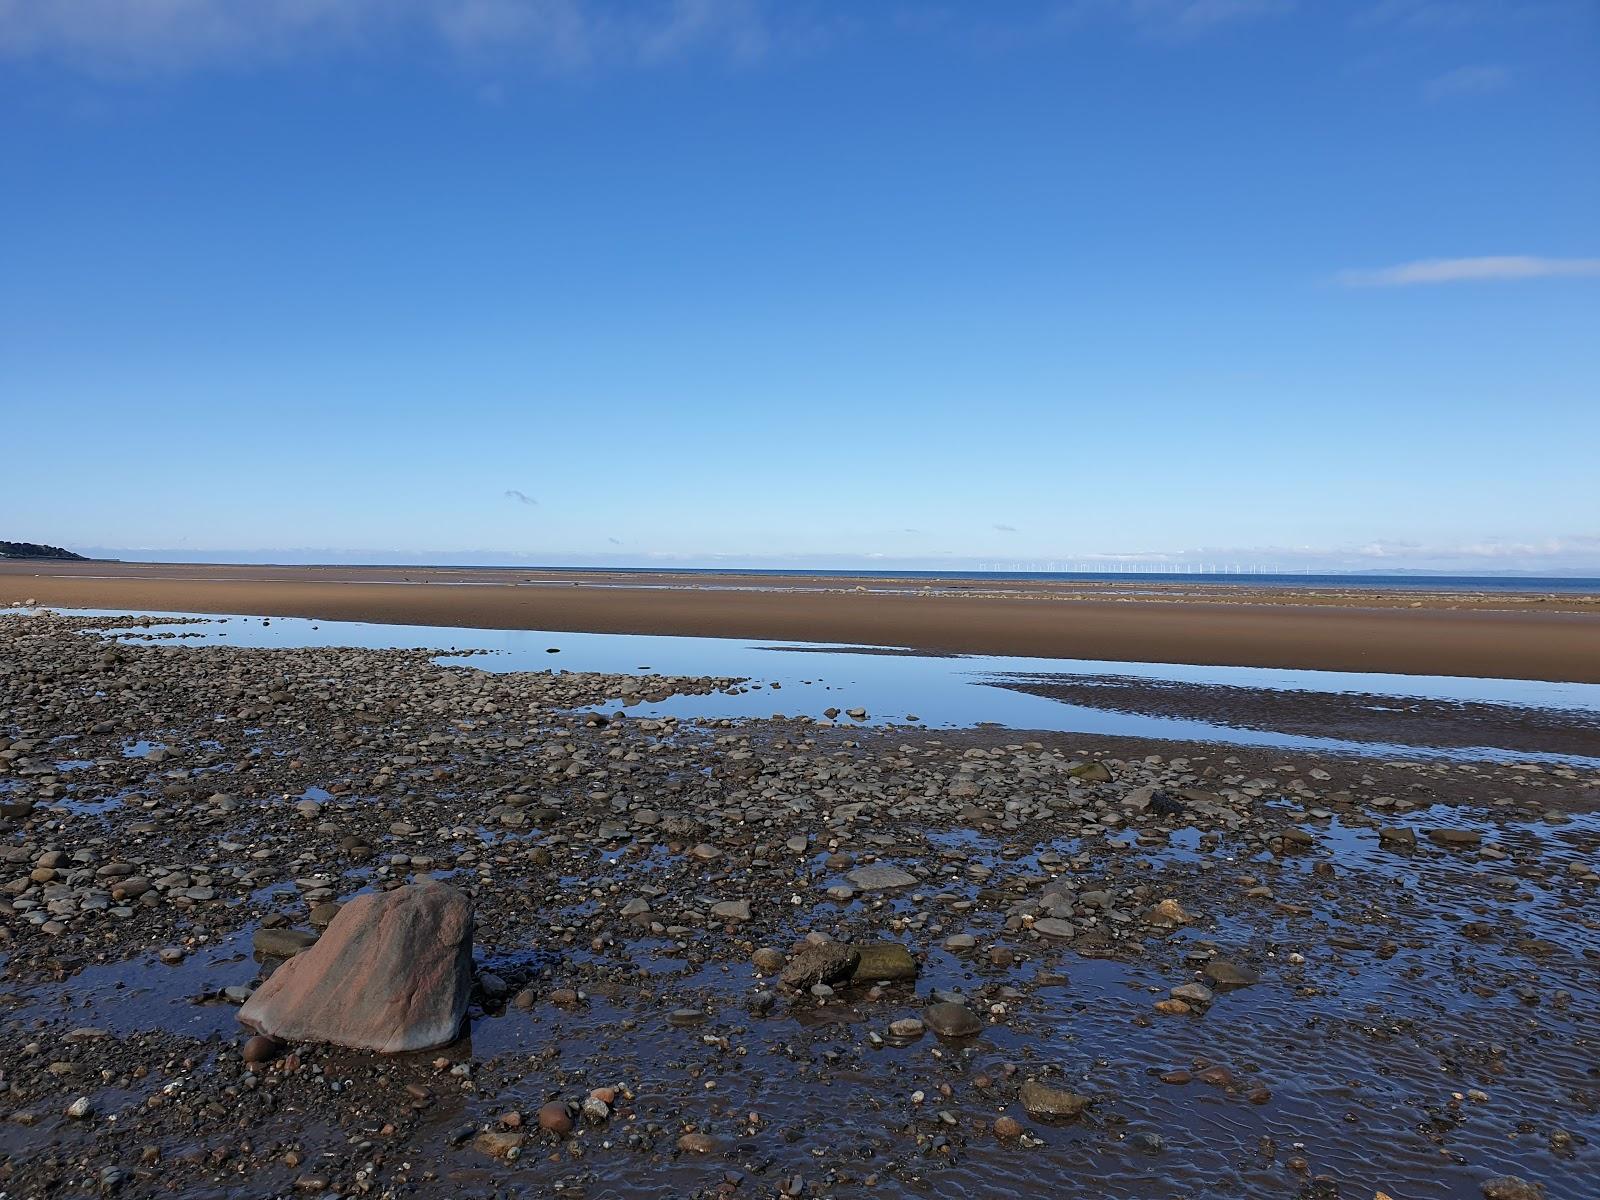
<point>1522,636</point>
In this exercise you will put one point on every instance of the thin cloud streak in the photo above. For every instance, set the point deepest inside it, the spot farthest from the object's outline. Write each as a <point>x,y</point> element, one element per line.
<point>560,35</point>
<point>520,497</point>
<point>137,37</point>
<point>1466,81</point>
<point>1493,268</point>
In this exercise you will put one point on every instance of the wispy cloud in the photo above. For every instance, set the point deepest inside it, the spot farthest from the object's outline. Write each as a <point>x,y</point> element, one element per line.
<point>520,497</point>
<point>1006,528</point>
<point>1168,19</point>
<point>158,35</point>
<point>1198,16</point>
<point>1471,270</point>
<point>1466,81</point>
<point>135,37</point>
<point>1426,17</point>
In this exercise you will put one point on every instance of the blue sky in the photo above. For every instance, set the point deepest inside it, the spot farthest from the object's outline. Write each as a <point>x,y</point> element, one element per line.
<point>723,281</point>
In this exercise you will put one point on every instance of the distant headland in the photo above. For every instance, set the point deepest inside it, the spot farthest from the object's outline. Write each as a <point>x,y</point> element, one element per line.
<point>36,550</point>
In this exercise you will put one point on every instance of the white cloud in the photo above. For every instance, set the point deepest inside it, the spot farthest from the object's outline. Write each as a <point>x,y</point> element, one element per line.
<point>1471,270</point>
<point>1466,81</point>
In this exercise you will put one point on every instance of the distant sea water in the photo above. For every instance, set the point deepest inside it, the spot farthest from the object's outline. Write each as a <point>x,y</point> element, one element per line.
<point>1399,583</point>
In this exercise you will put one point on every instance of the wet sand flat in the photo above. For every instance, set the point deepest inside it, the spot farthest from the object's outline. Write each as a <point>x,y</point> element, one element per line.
<point>1503,636</point>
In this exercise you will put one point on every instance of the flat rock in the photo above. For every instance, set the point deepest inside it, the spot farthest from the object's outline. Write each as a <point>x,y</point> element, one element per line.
<point>1226,974</point>
<point>392,973</point>
<point>1509,1187</point>
<point>731,910</point>
<point>1040,1100</point>
<point>880,877</point>
<point>282,943</point>
<point>952,1020</point>
<point>884,962</point>
<point>1455,839</point>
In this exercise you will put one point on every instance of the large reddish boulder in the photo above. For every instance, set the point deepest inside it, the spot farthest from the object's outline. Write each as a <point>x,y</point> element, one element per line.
<point>391,973</point>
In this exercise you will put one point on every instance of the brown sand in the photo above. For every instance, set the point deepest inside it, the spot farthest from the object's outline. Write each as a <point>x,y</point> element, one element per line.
<point>1521,637</point>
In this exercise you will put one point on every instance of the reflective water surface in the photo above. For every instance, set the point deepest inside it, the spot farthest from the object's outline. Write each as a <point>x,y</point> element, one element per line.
<point>1243,706</point>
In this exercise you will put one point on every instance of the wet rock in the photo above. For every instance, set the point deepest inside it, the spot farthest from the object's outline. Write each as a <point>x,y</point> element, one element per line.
<point>393,972</point>
<point>1092,772</point>
<point>1398,837</point>
<point>556,1117</point>
<point>1510,1187</point>
<point>697,1143</point>
<point>906,1028</point>
<point>821,962</point>
<point>281,943</point>
<point>880,877</point>
<point>261,1049</point>
<point>1455,839</point>
<point>499,1143</point>
<point>951,1020</point>
<point>731,910</point>
<point>1193,993</point>
<point>768,960</point>
<point>1167,913</point>
<point>1007,1128</point>
<point>1040,1100</point>
<point>1226,974</point>
<point>884,962</point>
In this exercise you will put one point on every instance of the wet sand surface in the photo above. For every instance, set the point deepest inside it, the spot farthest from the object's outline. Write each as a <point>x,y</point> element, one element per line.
<point>1349,715</point>
<point>1500,636</point>
<point>1240,972</point>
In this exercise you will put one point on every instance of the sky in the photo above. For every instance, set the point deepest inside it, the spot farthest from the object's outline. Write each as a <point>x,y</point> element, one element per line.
<point>702,282</point>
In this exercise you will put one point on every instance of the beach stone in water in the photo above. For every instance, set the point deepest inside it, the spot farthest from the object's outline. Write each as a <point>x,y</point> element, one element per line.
<point>731,910</point>
<point>392,973</point>
<point>884,962</point>
<point>824,962</point>
<point>1229,975</point>
<point>767,959</point>
<point>1509,1187</point>
<point>282,943</point>
<point>952,1020</point>
<point>879,877</point>
<point>1042,1101</point>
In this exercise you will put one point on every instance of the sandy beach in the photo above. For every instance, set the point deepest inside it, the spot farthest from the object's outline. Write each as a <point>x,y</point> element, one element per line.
<point>1521,636</point>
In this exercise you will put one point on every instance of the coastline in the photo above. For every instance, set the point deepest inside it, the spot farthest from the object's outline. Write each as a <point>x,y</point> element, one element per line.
<point>1503,636</point>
